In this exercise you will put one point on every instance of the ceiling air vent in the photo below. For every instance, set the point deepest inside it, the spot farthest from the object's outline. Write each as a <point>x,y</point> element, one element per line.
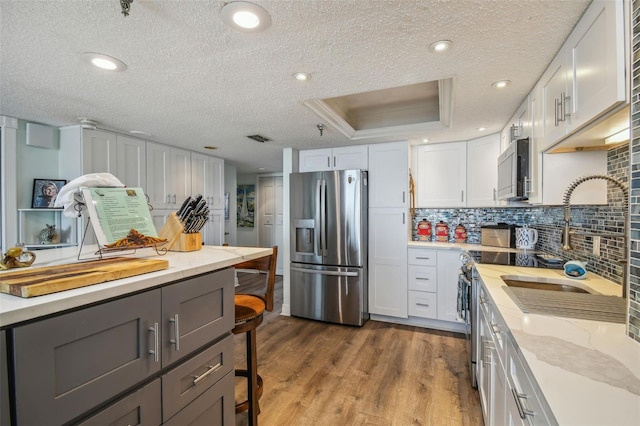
<point>259,138</point>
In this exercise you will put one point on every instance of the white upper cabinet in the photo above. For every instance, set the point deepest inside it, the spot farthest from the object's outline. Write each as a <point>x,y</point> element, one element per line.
<point>131,162</point>
<point>389,175</point>
<point>343,158</point>
<point>587,78</point>
<point>555,92</point>
<point>207,179</point>
<point>596,47</point>
<point>84,151</point>
<point>168,176</point>
<point>441,174</point>
<point>482,171</point>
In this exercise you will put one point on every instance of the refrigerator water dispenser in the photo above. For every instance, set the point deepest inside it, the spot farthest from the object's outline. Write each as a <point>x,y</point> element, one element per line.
<point>305,232</point>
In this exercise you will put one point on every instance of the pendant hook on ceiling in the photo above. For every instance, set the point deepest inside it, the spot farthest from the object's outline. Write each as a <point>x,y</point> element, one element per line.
<point>320,128</point>
<point>126,6</point>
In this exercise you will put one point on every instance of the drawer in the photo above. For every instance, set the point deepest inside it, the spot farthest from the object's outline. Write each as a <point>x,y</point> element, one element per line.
<point>422,278</point>
<point>142,407</point>
<point>422,257</point>
<point>189,380</point>
<point>216,406</point>
<point>423,304</point>
<point>520,382</point>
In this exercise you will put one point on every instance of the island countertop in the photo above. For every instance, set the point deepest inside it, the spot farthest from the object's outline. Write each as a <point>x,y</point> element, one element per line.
<point>14,309</point>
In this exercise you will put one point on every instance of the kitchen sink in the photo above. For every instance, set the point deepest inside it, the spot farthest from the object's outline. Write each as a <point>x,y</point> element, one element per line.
<point>565,299</point>
<point>540,283</point>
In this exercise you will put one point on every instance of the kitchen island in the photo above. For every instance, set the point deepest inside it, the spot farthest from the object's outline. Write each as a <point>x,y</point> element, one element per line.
<point>155,348</point>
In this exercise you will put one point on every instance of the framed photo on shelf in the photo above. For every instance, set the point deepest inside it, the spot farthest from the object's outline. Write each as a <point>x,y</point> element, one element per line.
<point>45,192</point>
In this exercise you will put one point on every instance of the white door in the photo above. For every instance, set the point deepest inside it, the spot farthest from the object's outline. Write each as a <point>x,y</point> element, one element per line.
<point>482,171</point>
<point>180,176</point>
<point>315,160</point>
<point>270,215</point>
<point>554,90</point>
<point>448,269</point>
<point>159,176</point>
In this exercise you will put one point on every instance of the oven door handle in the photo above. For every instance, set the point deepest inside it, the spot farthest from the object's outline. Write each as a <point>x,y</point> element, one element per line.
<point>464,279</point>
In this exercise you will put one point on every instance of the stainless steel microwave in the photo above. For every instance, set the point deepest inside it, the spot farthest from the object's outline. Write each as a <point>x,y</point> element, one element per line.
<point>514,172</point>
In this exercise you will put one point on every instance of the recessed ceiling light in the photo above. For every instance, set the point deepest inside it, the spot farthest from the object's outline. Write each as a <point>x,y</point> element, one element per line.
<point>245,16</point>
<point>104,62</point>
<point>302,76</point>
<point>482,129</point>
<point>501,84</point>
<point>139,133</point>
<point>440,46</point>
<point>425,140</point>
<point>210,147</point>
<point>261,168</point>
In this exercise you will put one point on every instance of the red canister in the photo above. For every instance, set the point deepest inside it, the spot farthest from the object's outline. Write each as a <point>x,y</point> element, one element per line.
<point>460,234</point>
<point>424,230</point>
<point>442,232</point>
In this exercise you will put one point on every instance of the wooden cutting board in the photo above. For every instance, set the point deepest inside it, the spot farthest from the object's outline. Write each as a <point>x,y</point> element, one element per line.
<point>29,282</point>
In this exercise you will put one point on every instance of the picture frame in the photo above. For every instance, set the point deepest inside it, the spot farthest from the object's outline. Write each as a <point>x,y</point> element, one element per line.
<point>44,194</point>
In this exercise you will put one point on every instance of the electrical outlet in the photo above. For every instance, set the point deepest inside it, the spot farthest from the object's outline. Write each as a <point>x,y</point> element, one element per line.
<point>596,245</point>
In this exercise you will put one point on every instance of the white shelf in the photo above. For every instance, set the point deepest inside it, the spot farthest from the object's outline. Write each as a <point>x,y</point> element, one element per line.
<point>32,221</point>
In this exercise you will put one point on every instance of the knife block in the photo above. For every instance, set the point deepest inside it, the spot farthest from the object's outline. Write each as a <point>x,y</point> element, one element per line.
<point>188,242</point>
<point>177,240</point>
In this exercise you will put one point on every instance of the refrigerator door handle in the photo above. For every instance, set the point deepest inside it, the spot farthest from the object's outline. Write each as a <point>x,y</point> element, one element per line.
<point>319,272</point>
<point>323,216</point>
<point>318,225</point>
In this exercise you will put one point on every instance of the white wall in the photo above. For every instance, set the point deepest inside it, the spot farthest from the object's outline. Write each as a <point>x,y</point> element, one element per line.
<point>247,237</point>
<point>230,185</point>
<point>32,163</point>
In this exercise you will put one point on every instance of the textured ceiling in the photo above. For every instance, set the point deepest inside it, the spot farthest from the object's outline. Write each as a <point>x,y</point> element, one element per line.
<point>192,81</point>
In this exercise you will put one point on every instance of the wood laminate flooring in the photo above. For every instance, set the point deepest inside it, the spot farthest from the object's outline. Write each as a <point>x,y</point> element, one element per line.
<point>317,373</point>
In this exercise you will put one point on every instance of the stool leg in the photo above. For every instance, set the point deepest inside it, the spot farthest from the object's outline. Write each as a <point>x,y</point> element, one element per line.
<point>252,380</point>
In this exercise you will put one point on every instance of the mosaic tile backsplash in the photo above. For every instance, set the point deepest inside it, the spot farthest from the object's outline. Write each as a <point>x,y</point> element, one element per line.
<point>549,221</point>
<point>634,249</point>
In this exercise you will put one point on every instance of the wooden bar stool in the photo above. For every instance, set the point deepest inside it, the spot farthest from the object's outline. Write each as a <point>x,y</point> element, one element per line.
<point>249,314</point>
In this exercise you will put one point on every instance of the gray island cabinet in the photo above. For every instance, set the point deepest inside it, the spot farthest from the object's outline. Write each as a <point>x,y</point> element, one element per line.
<point>157,356</point>
<point>151,349</point>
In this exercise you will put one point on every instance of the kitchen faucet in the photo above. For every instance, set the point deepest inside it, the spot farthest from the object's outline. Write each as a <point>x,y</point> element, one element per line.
<point>567,220</point>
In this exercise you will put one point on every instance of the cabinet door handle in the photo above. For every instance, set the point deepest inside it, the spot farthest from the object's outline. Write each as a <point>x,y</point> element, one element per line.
<point>462,196</point>
<point>176,331</point>
<point>329,162</point>
<point>154,351</point>
<point>334,161</point>
<point>404,194</point>
<point>168,198</point>
<point>522,410</point>
<point>494,194</point>
<point>403,218</point>
<point>563,106</point>
<point>210,370</point>
<point>495,328</point>
<point>174,198</point>
<point>556,101</point>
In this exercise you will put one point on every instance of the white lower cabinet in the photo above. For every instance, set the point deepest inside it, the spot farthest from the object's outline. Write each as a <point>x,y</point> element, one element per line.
<point>433,286</point>
<point>508,393</point>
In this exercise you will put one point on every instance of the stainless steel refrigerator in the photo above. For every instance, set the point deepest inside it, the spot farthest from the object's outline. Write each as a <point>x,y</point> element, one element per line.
<point>329,246</point>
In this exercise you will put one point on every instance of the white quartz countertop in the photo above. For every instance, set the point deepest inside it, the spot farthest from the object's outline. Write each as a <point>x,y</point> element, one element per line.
<point>14,309</point>
<point>588,371</point>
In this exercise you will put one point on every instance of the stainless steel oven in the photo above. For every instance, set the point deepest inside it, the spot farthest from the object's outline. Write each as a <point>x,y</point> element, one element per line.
<point>467,308</point>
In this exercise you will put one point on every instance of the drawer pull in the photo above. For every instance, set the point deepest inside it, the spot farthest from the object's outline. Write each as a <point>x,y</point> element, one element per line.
<point>210,370</point>
<point>423,258</point>
<point>176,330</point>
<point>154,351</point>
<point>422,304</point>
<point>522,410</point>
<point>422,278</point>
